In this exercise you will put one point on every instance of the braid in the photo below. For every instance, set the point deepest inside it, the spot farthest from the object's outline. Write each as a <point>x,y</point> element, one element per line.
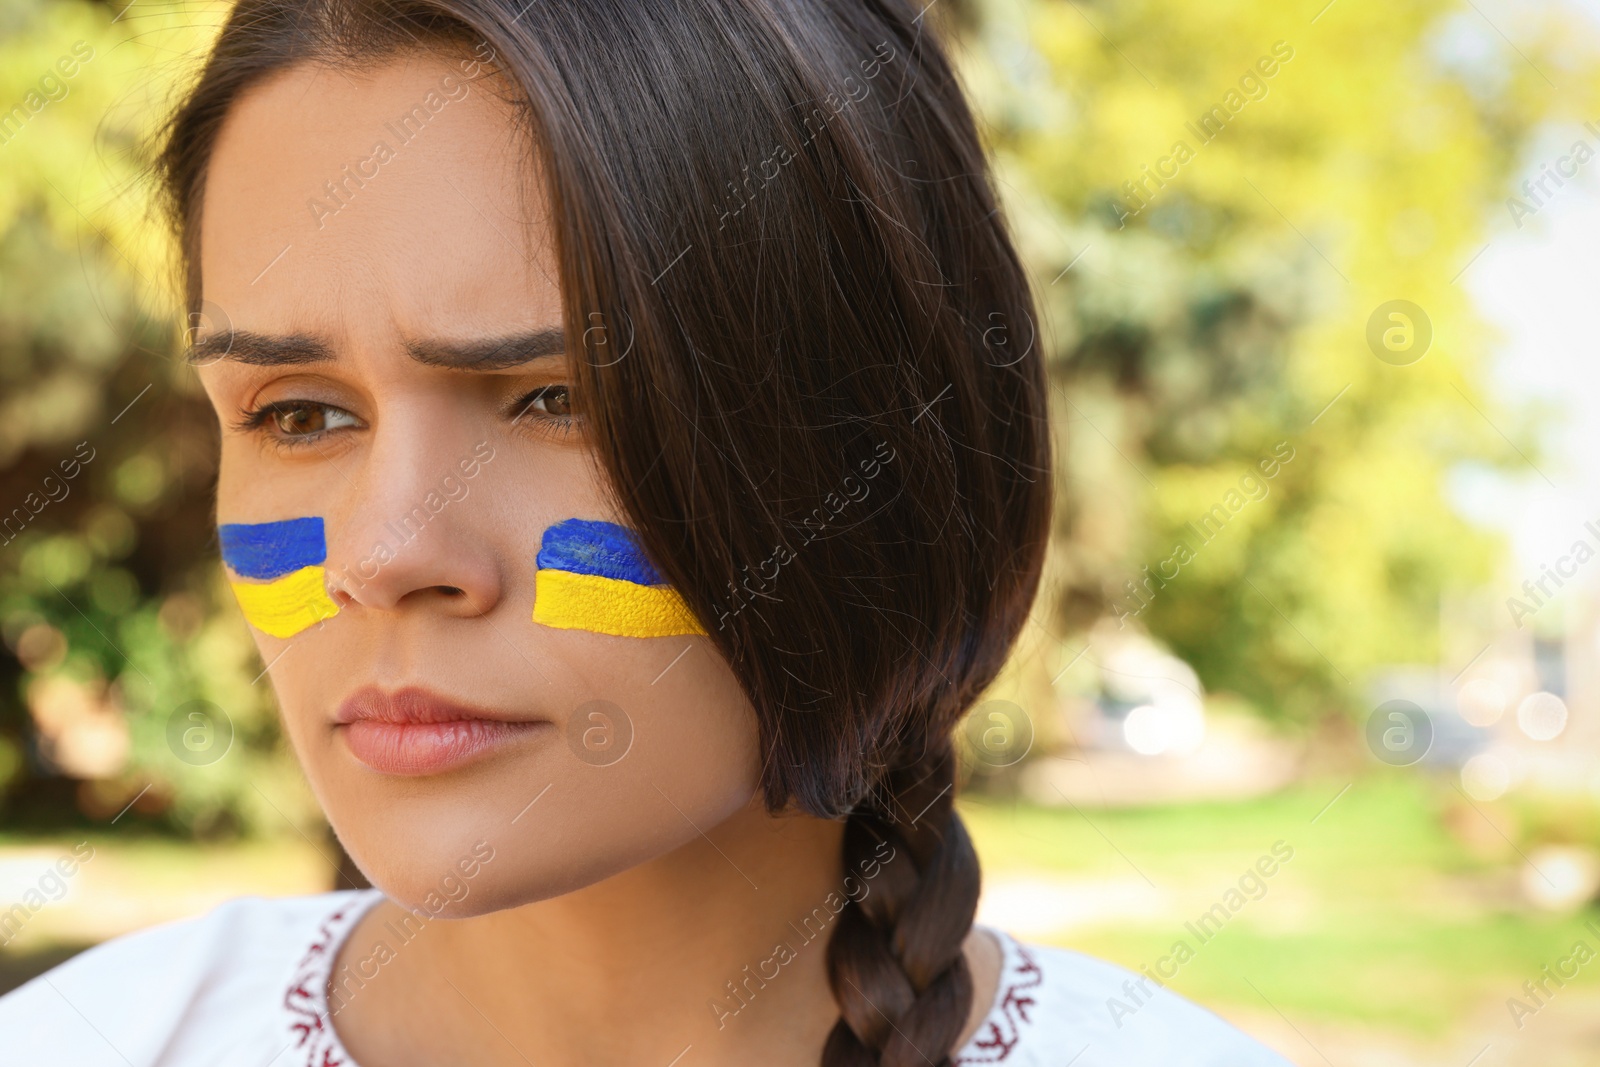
<point>895,959</point>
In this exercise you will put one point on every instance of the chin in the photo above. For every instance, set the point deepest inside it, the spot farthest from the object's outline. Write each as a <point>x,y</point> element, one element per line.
<point>468,851</point>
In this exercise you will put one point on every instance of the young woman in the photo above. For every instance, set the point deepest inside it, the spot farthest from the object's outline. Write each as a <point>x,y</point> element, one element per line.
<point>633,466</point>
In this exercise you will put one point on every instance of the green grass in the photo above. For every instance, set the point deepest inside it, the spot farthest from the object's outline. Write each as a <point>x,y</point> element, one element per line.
<point>1381,917</point>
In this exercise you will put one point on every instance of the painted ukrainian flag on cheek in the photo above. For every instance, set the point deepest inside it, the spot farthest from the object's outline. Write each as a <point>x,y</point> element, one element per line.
<point>593,576</point>
<point>288,557</point>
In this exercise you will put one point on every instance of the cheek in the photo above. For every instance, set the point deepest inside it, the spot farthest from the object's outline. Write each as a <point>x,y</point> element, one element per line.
<point>592,575</point>
<point>693,762</point>
<point>679,754</point>
<point>279,579</point>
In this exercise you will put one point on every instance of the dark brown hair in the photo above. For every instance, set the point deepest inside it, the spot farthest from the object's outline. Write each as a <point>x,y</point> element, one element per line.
<point>807,359</point>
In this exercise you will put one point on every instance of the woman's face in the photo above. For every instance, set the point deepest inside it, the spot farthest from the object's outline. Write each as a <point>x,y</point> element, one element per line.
<point>365,249</point>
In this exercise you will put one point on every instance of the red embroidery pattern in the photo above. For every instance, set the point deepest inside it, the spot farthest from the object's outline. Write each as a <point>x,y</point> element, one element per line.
<point>306,999</point>
<point>1002,1030</point>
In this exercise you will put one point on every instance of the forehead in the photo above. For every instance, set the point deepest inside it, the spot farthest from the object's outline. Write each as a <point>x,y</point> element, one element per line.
<point>397,197</point>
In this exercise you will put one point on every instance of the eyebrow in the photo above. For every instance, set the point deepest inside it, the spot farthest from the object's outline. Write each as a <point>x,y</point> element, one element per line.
<point>487,353</point>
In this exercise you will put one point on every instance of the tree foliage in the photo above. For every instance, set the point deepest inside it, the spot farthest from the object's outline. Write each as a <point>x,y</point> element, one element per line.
<point>1216,199</point>
<point>112,607</point>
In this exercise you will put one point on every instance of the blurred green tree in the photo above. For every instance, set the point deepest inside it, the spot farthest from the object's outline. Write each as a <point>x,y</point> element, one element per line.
<point>1220,201</point>
<point>111,605</point>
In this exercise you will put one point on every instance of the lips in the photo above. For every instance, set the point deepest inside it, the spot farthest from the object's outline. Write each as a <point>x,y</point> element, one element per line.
<point>415,731</point>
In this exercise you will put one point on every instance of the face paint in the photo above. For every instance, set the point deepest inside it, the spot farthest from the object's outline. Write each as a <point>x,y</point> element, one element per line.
<point>289,555</point>
<point>593,576</point>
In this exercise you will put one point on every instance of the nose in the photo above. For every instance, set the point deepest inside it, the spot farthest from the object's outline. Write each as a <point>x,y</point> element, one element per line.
<point>414,534</point>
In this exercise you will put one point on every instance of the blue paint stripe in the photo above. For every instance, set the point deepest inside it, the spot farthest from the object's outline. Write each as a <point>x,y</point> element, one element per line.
<point>272,549</point>
<point>588,546</point>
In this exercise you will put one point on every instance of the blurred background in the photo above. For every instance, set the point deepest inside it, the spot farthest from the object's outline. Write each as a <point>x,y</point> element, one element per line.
<point>1324,598</point>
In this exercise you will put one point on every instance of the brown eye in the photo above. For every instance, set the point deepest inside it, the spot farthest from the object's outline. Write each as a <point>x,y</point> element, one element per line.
<point>300,420</point>
<point>553,400</point>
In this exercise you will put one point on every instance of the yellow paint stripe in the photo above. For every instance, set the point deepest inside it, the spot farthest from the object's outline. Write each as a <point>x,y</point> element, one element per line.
<point>285,607</point>
<point>608,606</point>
